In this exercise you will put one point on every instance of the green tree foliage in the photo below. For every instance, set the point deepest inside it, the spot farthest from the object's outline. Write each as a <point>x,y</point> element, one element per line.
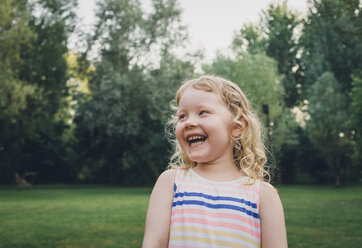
<point>249,39</point>
<point>15,35</point>
<point>331,41</point>
<point>121,97</point>
<point>327,125</point>
<point>34,39</point>
<point>356,114</point>
<point>120,128</point>
<point>280,24</point>
<point>277,39</point>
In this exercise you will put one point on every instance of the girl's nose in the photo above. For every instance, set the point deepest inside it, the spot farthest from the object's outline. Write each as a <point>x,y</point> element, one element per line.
<point>191,123</point>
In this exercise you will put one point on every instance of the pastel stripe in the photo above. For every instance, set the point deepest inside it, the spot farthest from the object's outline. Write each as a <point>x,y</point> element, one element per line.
<point>211,228</point>
<point>216,206</point>
<point>210,241</point>
<point>213,232</point>
<point>213,202</point>
<point>217,215</point>
<point>216,224</point>
<point>183,246</point>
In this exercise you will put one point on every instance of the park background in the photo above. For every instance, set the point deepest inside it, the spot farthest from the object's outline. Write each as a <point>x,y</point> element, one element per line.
<point>82,117</point>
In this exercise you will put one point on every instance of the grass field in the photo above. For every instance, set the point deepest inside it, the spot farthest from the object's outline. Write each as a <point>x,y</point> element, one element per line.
<point>94,216</point>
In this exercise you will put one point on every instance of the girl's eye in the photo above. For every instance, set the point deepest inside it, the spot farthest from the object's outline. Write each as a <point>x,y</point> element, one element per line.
<point>202,112</point>
<point>182,117</point>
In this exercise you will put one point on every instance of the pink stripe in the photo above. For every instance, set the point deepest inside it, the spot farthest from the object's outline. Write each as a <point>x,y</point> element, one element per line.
<point>216,224</point>
<point>216,215</point>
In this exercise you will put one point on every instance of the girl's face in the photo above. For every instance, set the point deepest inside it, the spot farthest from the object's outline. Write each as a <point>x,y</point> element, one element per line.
<point>203,128</point>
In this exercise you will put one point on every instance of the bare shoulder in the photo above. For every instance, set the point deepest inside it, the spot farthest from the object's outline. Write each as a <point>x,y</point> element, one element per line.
<point>268,192</point>
<point>167,178</point>
<point>272,217</point>
<point>165,182</point>
<point>159,211</point>
<point>267,187</point>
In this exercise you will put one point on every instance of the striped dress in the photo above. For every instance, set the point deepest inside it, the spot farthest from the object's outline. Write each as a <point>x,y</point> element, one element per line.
<point>207,213</point>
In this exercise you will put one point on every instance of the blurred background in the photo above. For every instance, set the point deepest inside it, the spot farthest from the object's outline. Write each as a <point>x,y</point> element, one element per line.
<point>85,87</point>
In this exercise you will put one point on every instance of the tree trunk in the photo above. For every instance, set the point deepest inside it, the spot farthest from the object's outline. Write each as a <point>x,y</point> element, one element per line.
<point>338,180</point>
<point>334,166</point>
<point>337,173</point>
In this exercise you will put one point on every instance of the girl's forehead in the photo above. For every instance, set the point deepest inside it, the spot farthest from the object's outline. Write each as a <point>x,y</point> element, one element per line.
<point>192,97</point>
<point>196,95</point>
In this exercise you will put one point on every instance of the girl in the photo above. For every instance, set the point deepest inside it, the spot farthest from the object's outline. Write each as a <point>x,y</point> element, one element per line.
<point>214,195</point>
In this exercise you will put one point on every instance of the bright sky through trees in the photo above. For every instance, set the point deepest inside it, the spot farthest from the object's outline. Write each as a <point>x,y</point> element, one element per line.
<point>211,23</point>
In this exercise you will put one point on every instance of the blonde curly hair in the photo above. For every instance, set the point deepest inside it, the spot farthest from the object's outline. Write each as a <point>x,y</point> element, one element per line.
<point>248,148</point>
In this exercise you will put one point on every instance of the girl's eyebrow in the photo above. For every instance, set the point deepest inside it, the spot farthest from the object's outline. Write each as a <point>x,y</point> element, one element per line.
<point>179,110</point>
<point>200,106</point>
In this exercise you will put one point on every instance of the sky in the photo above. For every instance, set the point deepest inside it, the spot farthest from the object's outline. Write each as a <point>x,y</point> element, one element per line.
<point>211,23</point>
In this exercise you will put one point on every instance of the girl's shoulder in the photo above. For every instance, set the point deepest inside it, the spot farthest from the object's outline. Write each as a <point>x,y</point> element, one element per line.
<point>266,187</point>
<point>268,194</point>
<point>271,217</point>
<point>167,177</point>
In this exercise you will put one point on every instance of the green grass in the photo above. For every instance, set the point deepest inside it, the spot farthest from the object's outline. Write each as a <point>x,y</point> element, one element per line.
<point>92,216</point>
<point>71,216</point>
<point>323,216</point>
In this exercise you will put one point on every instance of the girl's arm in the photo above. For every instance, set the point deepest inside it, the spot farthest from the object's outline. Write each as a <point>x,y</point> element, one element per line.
<point>159,211</point>
<point>273,231</point>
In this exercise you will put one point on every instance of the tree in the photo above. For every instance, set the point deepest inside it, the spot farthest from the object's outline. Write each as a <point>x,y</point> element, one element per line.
<point>280,25</point>
<point>356,116</point>
<point>14,92</point>
<point>331,41</point>
<point>15,35</point>
<point>35,39</point>
<point>275,36</point>
<point>327,125</point>
<point>120,128</point>
<point>249,39</point>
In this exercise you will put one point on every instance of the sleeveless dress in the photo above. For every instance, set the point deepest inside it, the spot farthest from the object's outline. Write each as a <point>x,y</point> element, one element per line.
<point>214,214</point>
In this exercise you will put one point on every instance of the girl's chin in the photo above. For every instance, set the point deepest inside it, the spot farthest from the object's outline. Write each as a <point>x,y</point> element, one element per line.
<point>198,160</point>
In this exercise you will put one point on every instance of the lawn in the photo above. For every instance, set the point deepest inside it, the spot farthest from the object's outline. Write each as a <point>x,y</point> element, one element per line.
<point>95,216</point>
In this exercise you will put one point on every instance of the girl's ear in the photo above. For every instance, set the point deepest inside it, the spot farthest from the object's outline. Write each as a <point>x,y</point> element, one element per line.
<point>238,129</point>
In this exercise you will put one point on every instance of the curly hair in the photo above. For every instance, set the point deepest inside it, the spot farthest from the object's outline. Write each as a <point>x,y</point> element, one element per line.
<point>248,148</point>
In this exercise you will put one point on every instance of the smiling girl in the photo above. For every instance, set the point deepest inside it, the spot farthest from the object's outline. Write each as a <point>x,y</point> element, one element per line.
<point>214,194</point>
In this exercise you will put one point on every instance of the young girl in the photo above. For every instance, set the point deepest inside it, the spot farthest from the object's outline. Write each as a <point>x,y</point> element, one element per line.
<point>213,195</point>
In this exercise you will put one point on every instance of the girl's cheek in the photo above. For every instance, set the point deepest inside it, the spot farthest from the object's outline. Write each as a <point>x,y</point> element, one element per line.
<point>178,131</point>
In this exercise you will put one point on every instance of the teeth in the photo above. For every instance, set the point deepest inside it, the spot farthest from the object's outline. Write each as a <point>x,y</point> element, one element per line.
<point>195,137</point>
<point>198,142</point>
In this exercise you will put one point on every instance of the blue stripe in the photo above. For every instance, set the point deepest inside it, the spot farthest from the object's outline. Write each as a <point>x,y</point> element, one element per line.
<point>174,187</point>
<point>216,206</point>
<point>216,198</point>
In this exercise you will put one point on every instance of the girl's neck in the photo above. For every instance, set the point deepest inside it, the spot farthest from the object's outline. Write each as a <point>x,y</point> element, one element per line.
<point>218,171</point>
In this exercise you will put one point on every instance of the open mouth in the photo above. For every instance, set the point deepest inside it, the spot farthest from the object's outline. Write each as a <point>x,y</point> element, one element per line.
<point>194,140</point>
